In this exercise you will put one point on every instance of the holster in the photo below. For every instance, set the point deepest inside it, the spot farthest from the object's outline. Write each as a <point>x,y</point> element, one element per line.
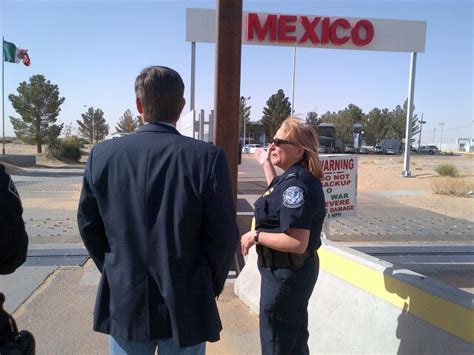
<point>272,258</point>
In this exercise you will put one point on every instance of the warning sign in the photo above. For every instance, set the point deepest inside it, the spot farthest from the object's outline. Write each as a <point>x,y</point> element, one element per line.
<point>340,185</point>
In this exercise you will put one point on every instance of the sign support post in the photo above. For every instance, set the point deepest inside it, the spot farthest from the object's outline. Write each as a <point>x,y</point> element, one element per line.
<point>411,93</point>
<point>293,83</point>
<point>193,84</point>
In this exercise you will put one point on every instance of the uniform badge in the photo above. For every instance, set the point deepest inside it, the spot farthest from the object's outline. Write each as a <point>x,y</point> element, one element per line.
<point>293,197</point>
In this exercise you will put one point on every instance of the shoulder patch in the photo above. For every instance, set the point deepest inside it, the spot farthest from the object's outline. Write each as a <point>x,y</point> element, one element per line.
<point>293,197</point>
<point>12,189</point>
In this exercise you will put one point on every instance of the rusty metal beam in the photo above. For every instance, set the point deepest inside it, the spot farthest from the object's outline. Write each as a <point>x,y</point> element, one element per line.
<point>227,88</point>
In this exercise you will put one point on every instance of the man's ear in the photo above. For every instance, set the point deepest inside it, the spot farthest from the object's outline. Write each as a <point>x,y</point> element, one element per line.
<point>139,105</point>
<point>183,103</point>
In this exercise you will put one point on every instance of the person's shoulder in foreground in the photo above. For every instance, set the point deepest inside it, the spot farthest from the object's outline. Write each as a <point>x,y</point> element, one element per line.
<point>13,237</point>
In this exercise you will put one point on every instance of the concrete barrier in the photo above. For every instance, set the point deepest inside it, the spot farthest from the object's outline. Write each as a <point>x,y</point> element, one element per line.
<point>19,160</point>
<point>363,305</point>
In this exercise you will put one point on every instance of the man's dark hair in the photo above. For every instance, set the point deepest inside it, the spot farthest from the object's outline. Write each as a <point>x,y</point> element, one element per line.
<point>160,90</point>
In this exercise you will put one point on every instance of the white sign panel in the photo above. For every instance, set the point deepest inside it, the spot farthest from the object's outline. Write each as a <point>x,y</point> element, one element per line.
<point>314,31</point>
<point>340,185</point>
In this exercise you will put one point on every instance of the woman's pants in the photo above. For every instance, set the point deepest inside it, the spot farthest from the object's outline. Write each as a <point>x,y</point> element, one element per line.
<point>284,307</point>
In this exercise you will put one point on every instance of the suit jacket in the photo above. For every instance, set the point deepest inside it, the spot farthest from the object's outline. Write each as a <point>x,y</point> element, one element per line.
<point>13,237</point>
<point>158,218</point>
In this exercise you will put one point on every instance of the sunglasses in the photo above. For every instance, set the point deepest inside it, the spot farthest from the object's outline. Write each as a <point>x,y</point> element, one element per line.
<point>278,141</point>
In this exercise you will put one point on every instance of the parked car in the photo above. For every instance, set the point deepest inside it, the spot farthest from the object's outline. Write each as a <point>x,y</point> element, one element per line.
<point>378,149</point>
<point>117,135</point>
<point>428,149</point>
<point>323,149</point>
<point>391,150</point>
<point>349,149</point>
<point>366,149</point>
<point>250,148</point>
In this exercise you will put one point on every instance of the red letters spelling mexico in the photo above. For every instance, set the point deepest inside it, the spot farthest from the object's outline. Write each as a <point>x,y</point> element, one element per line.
<point>282,28</point>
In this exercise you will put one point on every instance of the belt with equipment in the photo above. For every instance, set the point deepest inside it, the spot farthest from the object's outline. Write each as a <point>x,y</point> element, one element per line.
<point>272,258</point>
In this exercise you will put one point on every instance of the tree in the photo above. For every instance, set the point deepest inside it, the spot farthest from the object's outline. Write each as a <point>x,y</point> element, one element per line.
<point>244,115</point>
<point>344,122</point>
<point>329,117</point>
<point>38,103</point>
<point>375,124</point>
<point>278,108</point>
<point>313,119</point>
<point>127,123</point>
<point>93,125</point>
<point>68,130</point>
<point>396,127</point>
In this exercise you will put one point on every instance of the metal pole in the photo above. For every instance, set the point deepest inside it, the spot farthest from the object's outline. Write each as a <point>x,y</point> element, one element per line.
<point>441,136</point>
<point>211,126</point>
<point>94,140</point>
<point>421,128</point>
<point>293,83</point>
<point>3,95</point>
<point>244,128</point>
<point>411,93</point>
<point>227,88</point>
<point>193,84</point>
<point>201,126</point>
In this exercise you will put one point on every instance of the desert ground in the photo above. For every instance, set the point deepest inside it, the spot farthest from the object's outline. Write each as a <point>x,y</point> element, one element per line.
<point>375,173</point>
<point>382,172</point>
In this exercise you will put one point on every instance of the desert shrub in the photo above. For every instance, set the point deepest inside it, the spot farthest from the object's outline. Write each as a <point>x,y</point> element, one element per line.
<point>455,186</point>
<point>54,147</point>
<point>66,148</point>
<point>447,170</point>
<point>9,140</point>
<point>70,148</point>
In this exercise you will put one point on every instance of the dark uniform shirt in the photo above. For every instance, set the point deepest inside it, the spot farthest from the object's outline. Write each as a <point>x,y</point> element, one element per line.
<point>294,199</point>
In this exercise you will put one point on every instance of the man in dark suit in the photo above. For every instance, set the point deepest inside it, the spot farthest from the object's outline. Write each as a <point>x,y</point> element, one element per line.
<point>157,215</point>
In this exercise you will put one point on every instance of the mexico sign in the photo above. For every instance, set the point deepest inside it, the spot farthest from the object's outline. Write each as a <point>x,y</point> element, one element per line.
<point>314,31</point>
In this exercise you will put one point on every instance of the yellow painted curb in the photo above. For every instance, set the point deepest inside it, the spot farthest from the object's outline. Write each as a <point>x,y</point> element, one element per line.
<point>444,314</point>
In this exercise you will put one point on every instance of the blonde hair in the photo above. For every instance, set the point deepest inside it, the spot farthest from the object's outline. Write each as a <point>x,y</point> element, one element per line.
<point>304,135</point>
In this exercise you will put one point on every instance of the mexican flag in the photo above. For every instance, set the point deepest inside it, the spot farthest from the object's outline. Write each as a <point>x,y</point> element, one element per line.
<point>12,54</point>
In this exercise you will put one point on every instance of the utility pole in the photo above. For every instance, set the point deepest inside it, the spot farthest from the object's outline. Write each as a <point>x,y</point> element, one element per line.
<point>421,128</point>
<point>441,136</point>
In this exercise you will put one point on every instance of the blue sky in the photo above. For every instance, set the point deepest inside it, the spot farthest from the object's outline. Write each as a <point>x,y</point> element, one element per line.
<point>93,50</point>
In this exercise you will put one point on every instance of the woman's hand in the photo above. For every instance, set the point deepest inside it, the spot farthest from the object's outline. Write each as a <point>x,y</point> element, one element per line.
<point>262,156</point>
<point>246,242</point>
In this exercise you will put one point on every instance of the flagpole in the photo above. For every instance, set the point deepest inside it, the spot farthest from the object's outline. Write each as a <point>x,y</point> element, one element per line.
<point>3,94</point>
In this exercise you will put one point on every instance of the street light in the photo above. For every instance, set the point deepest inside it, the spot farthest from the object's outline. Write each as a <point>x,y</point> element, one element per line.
<point>93,123</point>
<point>441,136</point>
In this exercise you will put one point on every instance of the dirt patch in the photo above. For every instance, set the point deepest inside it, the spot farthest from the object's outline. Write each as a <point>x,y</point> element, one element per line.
<point>381,174</point>
<point>42,160</point>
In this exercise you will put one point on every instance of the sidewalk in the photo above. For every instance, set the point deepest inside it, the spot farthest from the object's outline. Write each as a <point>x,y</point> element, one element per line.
<point>59,314</point>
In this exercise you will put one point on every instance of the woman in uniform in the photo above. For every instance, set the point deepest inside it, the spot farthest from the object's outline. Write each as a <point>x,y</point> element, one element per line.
<point>288,222</point>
